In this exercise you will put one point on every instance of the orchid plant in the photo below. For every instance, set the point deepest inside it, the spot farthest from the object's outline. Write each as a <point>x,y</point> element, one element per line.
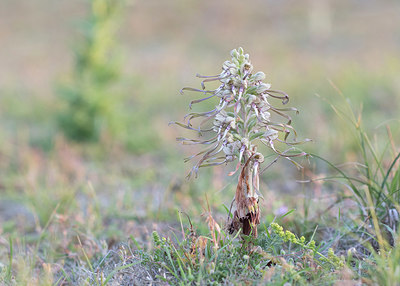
<point>242,119</point>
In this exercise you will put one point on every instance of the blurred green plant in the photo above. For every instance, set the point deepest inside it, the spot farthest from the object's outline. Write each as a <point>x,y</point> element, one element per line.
<point>89,98</point>
<point>243,118</point>
<point>385,268</point>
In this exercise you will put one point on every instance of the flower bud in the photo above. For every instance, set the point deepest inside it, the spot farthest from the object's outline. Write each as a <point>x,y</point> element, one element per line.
<point>258,76</point>
<point>246,68</point>
<point>230,158</point>
<point>265,115</point>
<point>225,93</point>
<point>263,87</point>
<point>259,157</point>
<point>234,53</point>
<point>229,138</point>
<point>227,65</point>
<point>252,98</point>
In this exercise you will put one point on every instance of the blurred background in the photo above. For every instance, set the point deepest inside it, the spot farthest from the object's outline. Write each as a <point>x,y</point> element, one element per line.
<point>87,89</point>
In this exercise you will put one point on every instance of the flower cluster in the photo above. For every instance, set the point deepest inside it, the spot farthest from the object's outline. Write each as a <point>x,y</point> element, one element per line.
<point>242,116</point>
<point>334,258</point>
<point>288,236</point>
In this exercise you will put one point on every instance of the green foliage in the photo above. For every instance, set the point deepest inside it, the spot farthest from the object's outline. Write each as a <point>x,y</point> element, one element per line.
<point>6,271</point>
<point>288,236</point>
<point>386,269</point>
<point>90,105</point>
<point>374,182</point>
<point>195,260</point>
<point>274,257</point>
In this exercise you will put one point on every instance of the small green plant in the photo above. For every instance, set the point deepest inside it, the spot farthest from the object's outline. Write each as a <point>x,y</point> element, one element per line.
<point>89,101</point>
<point>242,119</point>
<point>288,236</point>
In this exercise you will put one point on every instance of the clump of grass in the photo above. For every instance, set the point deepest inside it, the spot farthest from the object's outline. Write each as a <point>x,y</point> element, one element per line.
<point>386,269</point>
<point>374,182</point>
<point>6,270</point>
<point>243,119</point>
<point>118,266</point>
<point>273,257</point>
<point>288,236</point>
<point>89,99</point>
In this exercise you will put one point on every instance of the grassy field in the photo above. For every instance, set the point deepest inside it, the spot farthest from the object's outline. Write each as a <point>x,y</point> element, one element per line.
<point>115,208</point>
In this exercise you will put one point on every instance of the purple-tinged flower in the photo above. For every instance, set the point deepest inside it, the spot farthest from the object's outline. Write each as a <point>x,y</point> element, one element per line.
<point>231,131</point>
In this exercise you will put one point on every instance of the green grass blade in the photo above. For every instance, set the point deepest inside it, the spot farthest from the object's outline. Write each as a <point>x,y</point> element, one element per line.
<point>390,170</point>
<point>10,260</point>
<point>109,276</point>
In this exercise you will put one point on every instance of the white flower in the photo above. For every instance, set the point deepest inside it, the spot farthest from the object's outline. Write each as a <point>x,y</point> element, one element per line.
<point>258,76</point>
<point>231,149</point>
<point>263,87</point>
